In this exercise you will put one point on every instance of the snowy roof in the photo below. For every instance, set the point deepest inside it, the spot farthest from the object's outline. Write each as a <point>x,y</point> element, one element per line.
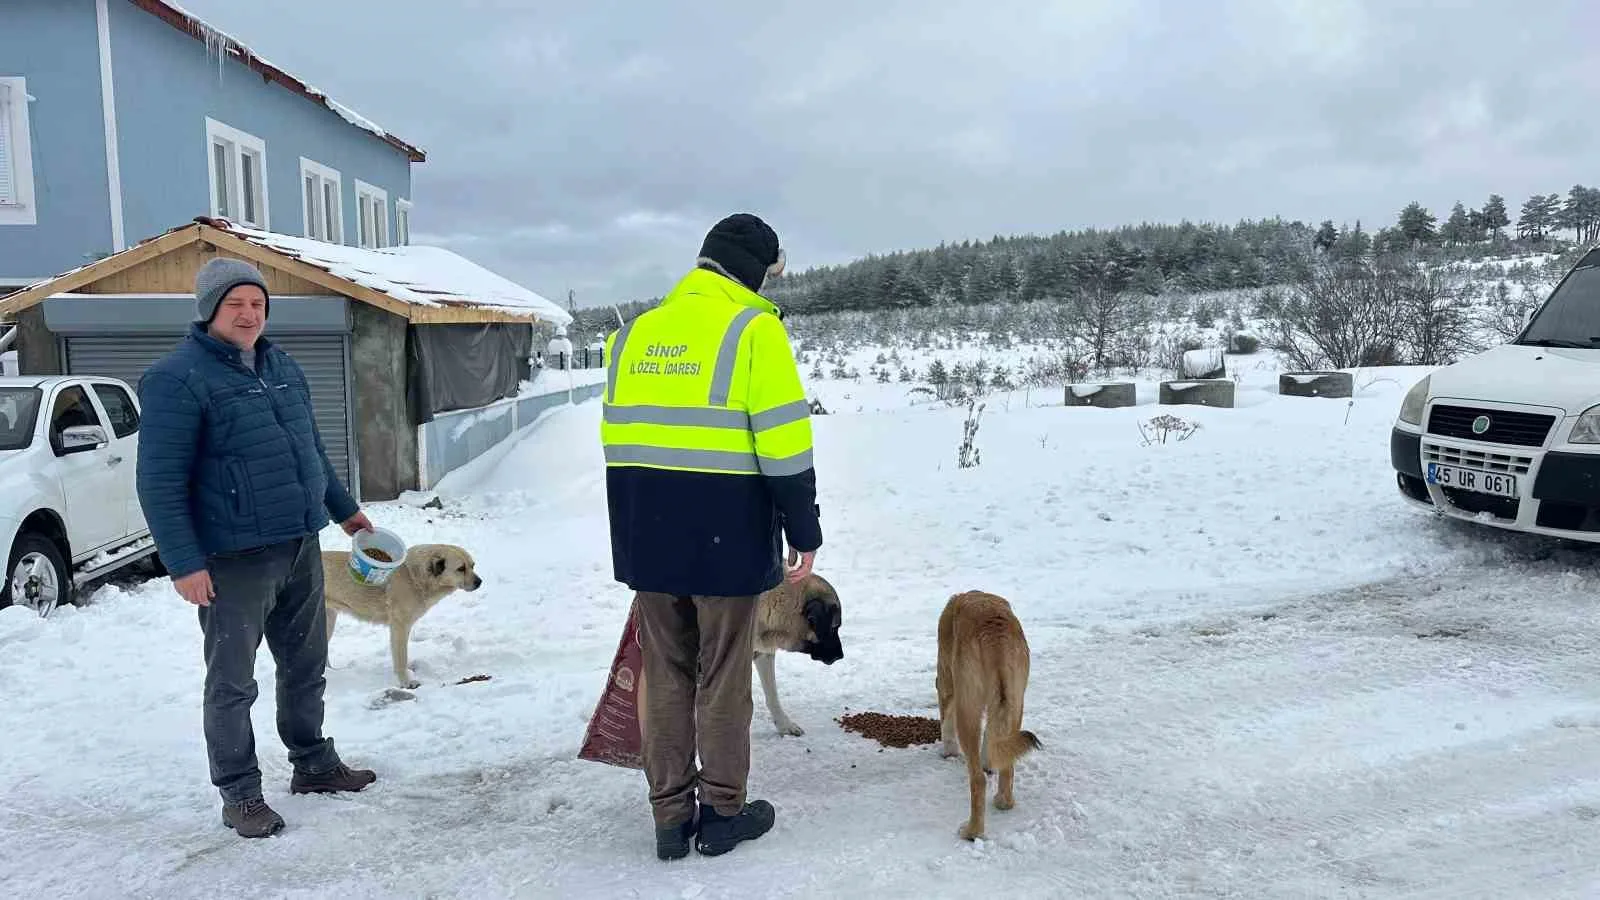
<point>219,43</point>
<point>424,284</point>
<point>417,275</point>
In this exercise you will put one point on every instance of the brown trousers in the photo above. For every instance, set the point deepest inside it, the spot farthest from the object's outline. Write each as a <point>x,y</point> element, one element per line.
<point>695,696</point>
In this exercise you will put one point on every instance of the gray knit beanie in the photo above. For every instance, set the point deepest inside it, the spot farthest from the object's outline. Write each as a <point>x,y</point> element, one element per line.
<point>219,276</point>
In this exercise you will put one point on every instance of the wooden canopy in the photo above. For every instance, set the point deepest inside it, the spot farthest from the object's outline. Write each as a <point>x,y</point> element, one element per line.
<point>168,264</point>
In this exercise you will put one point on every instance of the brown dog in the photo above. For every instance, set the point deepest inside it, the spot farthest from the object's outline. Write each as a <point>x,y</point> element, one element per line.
<point>430,573</point>
<point>981,677</point>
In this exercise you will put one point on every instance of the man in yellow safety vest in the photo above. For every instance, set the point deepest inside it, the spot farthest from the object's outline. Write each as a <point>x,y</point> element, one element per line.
<point>707,437</point>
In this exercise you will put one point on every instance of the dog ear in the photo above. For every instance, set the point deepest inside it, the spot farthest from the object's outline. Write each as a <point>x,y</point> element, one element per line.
<point>816,613</point>
<point>436,566</point>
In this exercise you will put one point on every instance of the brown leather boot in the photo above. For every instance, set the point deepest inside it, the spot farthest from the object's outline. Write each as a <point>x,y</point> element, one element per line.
<point>252,818</point>
<point>339,778</point>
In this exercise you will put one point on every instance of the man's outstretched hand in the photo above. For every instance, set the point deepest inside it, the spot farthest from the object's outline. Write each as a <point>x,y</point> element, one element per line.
<point>356,524</point>
<point>797,572</point>
<point>196,588</point>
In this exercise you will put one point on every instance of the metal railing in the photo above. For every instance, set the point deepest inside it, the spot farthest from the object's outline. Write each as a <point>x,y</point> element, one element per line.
<point>582,358</point>
<point>454,439</point>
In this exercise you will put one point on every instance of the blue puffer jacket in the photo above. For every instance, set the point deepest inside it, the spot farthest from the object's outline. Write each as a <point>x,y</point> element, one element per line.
<point>228,459</point>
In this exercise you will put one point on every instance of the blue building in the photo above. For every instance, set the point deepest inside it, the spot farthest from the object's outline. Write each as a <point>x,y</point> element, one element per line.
<point>122,118</point>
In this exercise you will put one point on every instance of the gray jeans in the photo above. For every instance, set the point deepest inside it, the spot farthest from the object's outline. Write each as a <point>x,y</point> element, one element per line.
<point>273,592</point>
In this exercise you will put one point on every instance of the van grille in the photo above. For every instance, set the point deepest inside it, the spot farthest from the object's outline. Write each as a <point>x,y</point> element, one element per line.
<point>1507,463</point>
<point>1518,429</point>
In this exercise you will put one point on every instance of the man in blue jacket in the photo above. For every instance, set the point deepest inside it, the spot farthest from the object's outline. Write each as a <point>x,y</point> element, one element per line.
<point>236,486</point>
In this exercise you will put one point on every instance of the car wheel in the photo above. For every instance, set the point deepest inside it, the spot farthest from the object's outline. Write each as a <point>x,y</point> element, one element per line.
<point>36,576</point>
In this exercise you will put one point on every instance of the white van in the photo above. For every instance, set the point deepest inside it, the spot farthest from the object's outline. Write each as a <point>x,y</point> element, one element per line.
<point>1510,437</point>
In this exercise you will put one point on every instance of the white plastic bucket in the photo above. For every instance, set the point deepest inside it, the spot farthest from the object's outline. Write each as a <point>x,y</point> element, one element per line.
<point>367,570</point>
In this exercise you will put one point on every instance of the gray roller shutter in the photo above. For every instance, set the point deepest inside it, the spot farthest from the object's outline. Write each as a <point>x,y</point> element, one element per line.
<point>123,356</point>
<point>126,356</point>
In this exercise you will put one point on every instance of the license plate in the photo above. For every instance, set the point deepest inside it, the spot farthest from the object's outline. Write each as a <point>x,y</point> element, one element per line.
<point>1496,483</point>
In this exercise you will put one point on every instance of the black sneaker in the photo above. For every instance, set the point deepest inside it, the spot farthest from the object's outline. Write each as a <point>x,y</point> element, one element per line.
<point>252,818</point>
<point>720,833</point>
<point>672,841</point>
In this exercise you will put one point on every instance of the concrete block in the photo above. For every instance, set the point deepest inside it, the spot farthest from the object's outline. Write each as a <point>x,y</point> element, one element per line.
<point>1337,385</point>
<point>1103,395</point>
<point>1198,392</point>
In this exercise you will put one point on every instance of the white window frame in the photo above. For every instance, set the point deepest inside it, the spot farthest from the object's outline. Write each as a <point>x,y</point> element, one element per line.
<point>20,208</point>
<point>402,222</point>
<point>236,145</point>
<point>372,206</point>
<point>326,180</point>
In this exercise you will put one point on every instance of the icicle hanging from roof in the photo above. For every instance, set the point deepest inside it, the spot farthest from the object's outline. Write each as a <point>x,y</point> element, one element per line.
<point>217,44</point>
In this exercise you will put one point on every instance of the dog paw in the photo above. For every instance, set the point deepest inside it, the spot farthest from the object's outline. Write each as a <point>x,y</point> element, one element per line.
<point>411,684</point>
<point>949,752</point>
<point>789,728</point>
<point>1004,802</point>
<point>388,696</point>
<point>967,834</point>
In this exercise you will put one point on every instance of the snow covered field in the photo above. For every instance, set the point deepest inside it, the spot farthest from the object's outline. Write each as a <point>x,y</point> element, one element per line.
<point>1255,674</point>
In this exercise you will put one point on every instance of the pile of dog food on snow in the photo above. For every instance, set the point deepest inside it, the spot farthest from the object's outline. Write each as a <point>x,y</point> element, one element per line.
<point>892,731</point>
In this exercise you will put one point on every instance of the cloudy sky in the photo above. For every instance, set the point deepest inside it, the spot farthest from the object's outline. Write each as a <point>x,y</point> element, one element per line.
<point>590,145</point>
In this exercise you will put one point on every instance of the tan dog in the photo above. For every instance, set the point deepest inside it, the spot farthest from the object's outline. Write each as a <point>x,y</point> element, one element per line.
<point>430,573</point>
<point>800,617</point>
<point>983,670</point>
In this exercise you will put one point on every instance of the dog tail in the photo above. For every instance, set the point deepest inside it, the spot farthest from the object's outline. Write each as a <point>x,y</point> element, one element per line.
<point>1012,747</point>
<point>1011,742</point>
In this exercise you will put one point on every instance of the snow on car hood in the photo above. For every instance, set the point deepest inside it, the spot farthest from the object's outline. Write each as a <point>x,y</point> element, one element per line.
<point>1556,377</point>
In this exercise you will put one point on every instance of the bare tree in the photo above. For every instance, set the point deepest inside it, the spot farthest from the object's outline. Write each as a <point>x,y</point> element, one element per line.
<point>1339,315</point>
<point>1135,350</point>
<point>1104,306</point>
<point>1167,351</point>
<point>1347,314</point>
<point>1507,311</point>
<point>1436,311</point>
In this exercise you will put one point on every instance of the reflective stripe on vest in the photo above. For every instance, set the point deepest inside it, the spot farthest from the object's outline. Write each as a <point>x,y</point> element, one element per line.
<point>707,417</point>
<point>679,458</point>
<point>793,411</point>
<point>616,358</point>
<point>722,374</point>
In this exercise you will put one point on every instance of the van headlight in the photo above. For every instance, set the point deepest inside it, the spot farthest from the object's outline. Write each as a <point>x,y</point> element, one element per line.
<point>1417,400</point>
<point>1587,429</point>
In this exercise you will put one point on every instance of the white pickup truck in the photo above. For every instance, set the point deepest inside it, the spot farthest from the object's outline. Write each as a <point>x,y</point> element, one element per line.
<point>69,511</point>
<point>1510,437</point>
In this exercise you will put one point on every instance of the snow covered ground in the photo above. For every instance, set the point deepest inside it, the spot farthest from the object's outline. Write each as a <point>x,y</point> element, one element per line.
<point>1255,674</point>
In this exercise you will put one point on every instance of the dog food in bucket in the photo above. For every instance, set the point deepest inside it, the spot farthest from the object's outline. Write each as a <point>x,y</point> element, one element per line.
<point>374,555</point>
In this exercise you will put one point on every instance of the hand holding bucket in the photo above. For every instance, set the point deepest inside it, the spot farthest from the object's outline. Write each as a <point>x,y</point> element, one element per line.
<point>375,555</point>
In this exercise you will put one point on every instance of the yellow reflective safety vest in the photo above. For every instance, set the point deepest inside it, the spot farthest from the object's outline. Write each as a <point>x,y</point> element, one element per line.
<point>707,439</point>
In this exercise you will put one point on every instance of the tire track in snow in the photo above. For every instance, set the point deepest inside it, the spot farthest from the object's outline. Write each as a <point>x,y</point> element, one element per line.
<point>1217,720</point>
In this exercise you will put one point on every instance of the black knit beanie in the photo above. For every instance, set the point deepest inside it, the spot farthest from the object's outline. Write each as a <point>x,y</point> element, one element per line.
<point>744,247</point>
